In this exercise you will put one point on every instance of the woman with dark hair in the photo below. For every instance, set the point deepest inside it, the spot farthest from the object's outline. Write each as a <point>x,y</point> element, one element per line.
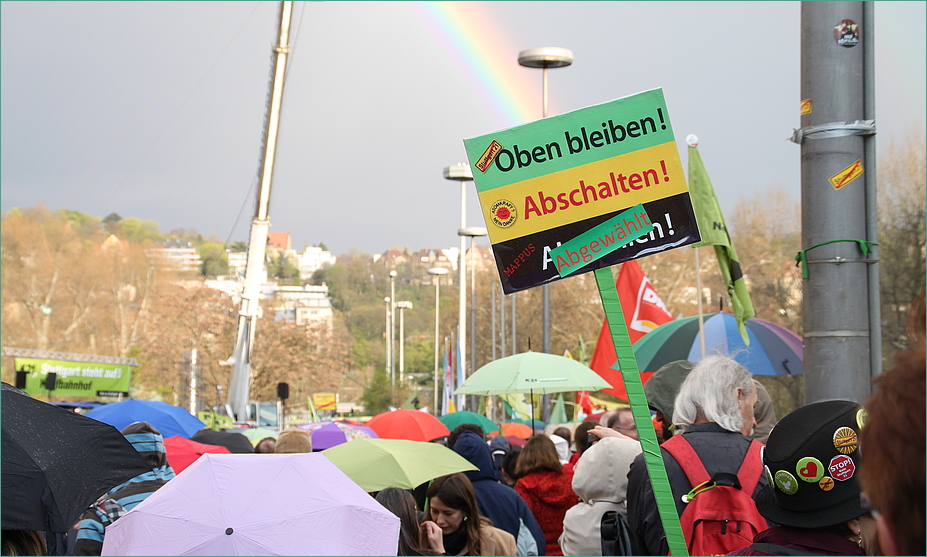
<point>452,506</point>
<point>401,503</point>
<point>546,488</point>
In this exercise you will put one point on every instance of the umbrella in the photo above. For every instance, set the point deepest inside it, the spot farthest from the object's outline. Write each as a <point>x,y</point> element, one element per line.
<point>328,434</point>
<point>517,429</point>
<point>257,504</point>
<point>57,463</point>
<point>531,372</point>
<point>234,442</point>
<point>454,419</point>
<point>376,464</point>
<point>533,423</point>
<point>773,350</point>
<point>167,419</point>
<point>255,434</point>
<point>413,425</point>
<point>181,453</point>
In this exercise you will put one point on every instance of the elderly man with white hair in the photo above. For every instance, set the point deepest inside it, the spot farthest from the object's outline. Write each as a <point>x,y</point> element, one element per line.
<point>714,413</point>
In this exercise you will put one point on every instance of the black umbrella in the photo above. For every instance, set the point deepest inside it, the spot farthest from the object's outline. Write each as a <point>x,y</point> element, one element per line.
<point>234,442</point>
<point>57,463</point>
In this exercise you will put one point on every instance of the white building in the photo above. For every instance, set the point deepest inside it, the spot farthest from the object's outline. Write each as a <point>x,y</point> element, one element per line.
<point>312,259</point>
<point>178,255</point>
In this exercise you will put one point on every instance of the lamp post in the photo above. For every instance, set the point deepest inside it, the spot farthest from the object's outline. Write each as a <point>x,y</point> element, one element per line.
<point>437,272</point>
<point>544,58</point>
<point>402,338</point>
<point>392,329</point>
<point>461,172</point>
<point>472,232</point>
<point>388,354</point>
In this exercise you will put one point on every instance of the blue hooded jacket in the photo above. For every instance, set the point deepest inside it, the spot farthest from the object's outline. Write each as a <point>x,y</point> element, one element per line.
<point>498,502</point>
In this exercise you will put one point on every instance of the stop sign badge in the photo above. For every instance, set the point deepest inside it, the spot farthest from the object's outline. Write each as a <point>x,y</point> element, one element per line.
<point>842,467</point>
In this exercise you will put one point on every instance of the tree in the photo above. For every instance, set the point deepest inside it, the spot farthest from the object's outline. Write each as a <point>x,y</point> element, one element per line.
<point>902,214</point>
<point>215,261</point>
<point>282,269</point>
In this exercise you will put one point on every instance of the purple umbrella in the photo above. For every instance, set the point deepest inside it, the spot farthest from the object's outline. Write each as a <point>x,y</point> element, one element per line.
<point>327,435</point>
<point>256,504</point>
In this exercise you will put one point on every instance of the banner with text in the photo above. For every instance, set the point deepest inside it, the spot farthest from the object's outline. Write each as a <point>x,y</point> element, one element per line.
<point>544,183</point>
<point>83,379</point>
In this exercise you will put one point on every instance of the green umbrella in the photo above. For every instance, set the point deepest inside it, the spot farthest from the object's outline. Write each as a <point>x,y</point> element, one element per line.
<point>534,373</point>
<point>454,419</point>
<point>255,434</point>
<point>375,464</point>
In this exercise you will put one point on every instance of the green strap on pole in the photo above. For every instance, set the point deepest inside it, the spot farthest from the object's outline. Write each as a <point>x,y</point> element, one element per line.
<point>802,258</point>
<point>641,412</point>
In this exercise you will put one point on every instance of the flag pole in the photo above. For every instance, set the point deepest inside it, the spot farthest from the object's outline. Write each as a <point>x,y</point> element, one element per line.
<point>698,288</point>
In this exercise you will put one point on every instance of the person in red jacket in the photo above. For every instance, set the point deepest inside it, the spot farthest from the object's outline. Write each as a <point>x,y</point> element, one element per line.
<point>546,488</point>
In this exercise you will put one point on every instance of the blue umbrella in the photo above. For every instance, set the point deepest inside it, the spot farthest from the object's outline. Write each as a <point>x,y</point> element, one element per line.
<point>169,420</point>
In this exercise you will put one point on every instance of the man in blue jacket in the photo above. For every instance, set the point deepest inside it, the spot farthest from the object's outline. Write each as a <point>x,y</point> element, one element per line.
<point>498,502</point>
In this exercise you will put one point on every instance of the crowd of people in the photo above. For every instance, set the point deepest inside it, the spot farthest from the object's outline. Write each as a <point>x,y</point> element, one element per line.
<point>741,482</point>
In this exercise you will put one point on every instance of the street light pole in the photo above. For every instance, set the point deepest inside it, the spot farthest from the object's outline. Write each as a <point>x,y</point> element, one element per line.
<point>545,57</point>
<point>472,232</point>
<point>392,329</point>
<point>437,272</point>
<point>461,172</point>
<point>388,355</point>
<point>402,338</point>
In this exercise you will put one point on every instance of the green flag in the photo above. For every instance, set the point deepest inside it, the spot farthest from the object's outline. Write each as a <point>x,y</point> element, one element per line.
<point>558,414</point>
<point>714,232</point>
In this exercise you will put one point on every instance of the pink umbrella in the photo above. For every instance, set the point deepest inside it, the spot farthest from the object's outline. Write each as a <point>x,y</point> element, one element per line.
<point>328,434</point>
<point>256,504</point>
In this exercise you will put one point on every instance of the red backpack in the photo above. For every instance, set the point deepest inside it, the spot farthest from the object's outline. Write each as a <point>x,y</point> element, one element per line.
<point>721,517</point>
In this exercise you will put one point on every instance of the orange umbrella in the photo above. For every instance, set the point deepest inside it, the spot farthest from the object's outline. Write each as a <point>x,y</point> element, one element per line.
<point>413,425</point>
<point>522,431</point>
<point>183,452</point>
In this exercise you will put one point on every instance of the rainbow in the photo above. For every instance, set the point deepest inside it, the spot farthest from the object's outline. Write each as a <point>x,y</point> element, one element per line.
<point>486,57</point>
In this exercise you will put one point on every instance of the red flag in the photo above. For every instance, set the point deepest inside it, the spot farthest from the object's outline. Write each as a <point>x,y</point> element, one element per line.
<point>582,398</point>
<point>643,311</point>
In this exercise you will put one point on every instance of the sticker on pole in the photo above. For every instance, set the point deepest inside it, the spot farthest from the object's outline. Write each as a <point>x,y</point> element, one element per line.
<point>548,182</point>
<point>847,175</point>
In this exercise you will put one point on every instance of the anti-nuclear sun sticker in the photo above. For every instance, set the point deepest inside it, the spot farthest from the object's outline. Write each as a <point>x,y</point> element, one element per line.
<point>846,33</point>
<point>845,440</point>
<point>503,213</point>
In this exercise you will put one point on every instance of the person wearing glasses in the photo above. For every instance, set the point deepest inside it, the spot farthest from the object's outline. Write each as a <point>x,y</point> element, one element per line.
<point>623,422</point>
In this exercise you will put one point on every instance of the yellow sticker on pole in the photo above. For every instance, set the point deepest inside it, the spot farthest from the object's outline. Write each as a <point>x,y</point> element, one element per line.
<point>847,175</point>
<point>324,401</point>
<point>806,106</point>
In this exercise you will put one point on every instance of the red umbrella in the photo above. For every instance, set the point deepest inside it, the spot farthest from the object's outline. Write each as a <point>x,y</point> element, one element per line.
<point>183,452</point>
<point>408,424</point>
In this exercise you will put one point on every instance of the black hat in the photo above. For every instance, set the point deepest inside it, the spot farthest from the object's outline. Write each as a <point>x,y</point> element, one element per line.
<point>811,462</point>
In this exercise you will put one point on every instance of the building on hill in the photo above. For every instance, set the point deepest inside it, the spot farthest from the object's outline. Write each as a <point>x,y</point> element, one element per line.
<point>304,306</point>
<point>312,259</point>
<point>278,241</point>
<point>391,258</point>
<point>177,255</point>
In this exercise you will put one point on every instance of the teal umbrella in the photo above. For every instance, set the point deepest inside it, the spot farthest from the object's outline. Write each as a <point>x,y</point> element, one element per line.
<point>454,419</point>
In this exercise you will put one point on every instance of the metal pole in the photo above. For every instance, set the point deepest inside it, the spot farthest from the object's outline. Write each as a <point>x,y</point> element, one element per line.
<point>388,355</point>
<point>462,306</point>
<point>514,348</point>
<point>436,411</point>
<point>492,290</point>
<point>392,329</point>
<point>501,322</point>
<point>402,338</point>
<point>836,324</point>
<point>240,382</point>
<point>872,212</point>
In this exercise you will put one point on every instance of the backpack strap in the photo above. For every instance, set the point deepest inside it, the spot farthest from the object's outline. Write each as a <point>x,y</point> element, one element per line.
<point>681,450</point>
<point>751,469</point>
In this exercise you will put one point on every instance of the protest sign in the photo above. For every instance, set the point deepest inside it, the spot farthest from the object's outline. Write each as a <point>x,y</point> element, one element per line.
<point>82,379</point>
<point>544,183</point>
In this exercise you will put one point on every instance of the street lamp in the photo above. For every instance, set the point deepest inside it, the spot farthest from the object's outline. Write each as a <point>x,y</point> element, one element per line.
<point>392,327</point>
<point>388,354</point>
<point>544,58</point>
<point>402,338</point>
<point>472,232</point>
<point>437,272</point>
<point>461,172</point>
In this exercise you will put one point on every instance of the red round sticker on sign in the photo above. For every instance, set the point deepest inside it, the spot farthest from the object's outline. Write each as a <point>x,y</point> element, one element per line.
<point>842,468</point>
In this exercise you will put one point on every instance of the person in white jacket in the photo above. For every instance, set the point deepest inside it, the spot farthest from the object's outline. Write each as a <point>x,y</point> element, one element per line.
<point>600,479</point>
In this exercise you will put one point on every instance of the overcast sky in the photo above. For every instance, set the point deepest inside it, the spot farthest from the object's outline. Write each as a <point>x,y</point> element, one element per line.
<point>154,109</point>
